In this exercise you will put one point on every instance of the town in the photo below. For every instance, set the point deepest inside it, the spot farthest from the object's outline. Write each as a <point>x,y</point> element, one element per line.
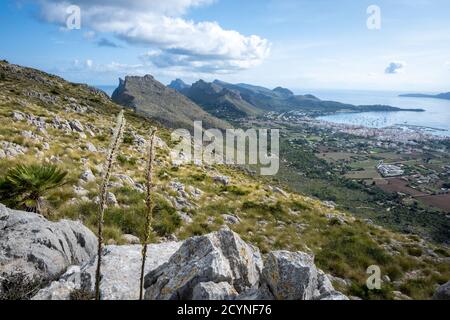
<point>408,162</point>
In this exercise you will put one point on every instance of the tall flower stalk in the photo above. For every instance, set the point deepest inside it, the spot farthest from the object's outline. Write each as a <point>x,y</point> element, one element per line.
<point>107,170</point>
<point>149,206</point>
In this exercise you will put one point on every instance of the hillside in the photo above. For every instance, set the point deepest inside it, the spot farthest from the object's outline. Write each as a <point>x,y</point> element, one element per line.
<point>151,98</point>
<point>445,96</point>
<point>44,119</point>
<point>229,101</point>
<point>220,101</point>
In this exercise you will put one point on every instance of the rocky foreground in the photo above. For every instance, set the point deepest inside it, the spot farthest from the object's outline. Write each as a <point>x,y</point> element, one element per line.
<point>219,265</point>
<point>60,258</point>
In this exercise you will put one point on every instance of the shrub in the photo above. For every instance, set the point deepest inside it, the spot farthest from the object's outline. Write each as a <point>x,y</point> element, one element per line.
<point>299,206</point>
<point>414,251</point>
<point>167,220</point>
<point>25,185</point>
<point>19,286</point>
<point>82,294</point>
<point>235,190</point>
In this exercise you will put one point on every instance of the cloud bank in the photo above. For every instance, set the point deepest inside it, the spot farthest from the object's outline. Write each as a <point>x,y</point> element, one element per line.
<point>172,40</point>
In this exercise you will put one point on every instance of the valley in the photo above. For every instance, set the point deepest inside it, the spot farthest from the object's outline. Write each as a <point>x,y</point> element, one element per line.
<point>338,164</point>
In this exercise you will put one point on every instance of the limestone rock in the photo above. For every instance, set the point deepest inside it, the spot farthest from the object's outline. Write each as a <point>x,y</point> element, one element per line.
<point>18,116</point>
<point>217,257</point>
<point>76,125</point>
<point>90,147</point>
<point>87,176</point>
<point>111,199</point>
<point>222,179</point>
<point>290,275</point>
<point>31,244</point>
<point>261,293</point>
<point>61,289</point>
<point>214,291</point>
<point>11,150</point>
<point>130,239</point>
<point>120,271</point>
<point>231,219</point>
<point>443,292</point>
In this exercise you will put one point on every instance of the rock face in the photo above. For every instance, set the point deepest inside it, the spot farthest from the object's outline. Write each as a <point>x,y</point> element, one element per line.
<point>120,273</point>
<point>151,98</point>
<point>33,245</point>
<point>443,292</point>
<point>213,291</point>
<point>290,275</point>
<point>218,257</point>
<point>221,266</point>
<point>11,150</point>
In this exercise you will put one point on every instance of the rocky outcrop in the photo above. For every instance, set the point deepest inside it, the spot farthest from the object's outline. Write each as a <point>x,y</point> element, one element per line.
<point>11,150</point>
<point>443,292</point>
<point>32,245</point>
<point>217,266</point>
<point>218,257</point>
<point>222,266</point>
<point>120,273</point>
<point>290,275</point>
<point>213,291</point>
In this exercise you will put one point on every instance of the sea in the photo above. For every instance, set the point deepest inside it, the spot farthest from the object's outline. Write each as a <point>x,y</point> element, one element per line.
<point>106,88</point>
<point>435,119</point>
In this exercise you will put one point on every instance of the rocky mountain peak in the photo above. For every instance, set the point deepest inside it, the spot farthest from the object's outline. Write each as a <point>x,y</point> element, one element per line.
<point>178,85</point>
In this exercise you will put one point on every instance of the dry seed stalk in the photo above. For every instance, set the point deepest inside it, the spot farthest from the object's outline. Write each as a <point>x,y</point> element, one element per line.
<point>112,154</point>
<point>149,206</point>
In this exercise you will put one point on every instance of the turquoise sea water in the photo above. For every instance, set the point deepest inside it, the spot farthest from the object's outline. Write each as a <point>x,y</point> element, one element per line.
<point>436,115</point>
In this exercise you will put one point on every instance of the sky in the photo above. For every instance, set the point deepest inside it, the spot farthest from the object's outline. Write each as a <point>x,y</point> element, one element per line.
<point>399,45</point>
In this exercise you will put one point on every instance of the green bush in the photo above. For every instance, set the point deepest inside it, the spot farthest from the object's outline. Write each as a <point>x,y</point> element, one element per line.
<point>166,219</point>
<point>25,185</point>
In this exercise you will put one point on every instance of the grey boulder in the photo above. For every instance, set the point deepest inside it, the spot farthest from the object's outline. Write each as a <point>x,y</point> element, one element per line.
<point>39,248</point>
<point>121,267</point>
<point>214,291</point>
<point>443,292</point>
<point>290,275</point>
<point>217,257</point>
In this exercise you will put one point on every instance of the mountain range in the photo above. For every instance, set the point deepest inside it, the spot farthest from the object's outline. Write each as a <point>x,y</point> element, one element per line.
<point>218,103</point>
<point>229,101</point>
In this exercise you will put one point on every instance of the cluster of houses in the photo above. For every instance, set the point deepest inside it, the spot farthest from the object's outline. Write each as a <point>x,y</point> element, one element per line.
<point>389,170</point>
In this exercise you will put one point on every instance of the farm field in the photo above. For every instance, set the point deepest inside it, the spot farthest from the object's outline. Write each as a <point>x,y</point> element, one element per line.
<point>441,201</point>
<point>399,185</point>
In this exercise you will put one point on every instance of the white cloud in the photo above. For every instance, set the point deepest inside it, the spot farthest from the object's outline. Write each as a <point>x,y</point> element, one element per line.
<point>197,46</point>
<point>395,67</point>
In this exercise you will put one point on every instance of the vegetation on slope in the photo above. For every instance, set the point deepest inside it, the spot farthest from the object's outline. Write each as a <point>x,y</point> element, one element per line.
<point>189,200</point>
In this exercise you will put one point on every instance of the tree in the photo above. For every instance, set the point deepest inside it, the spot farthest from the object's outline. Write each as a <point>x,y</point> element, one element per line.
<point>25,185</point>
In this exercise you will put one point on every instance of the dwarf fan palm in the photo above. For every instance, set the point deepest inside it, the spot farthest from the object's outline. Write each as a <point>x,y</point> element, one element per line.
<point>25,185</point>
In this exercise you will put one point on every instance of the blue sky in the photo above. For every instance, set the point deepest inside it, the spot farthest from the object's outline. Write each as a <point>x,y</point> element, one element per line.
<point>299,44</point>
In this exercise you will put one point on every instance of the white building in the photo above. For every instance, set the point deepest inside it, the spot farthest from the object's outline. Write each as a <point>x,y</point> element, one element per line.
<point>389,170</point>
